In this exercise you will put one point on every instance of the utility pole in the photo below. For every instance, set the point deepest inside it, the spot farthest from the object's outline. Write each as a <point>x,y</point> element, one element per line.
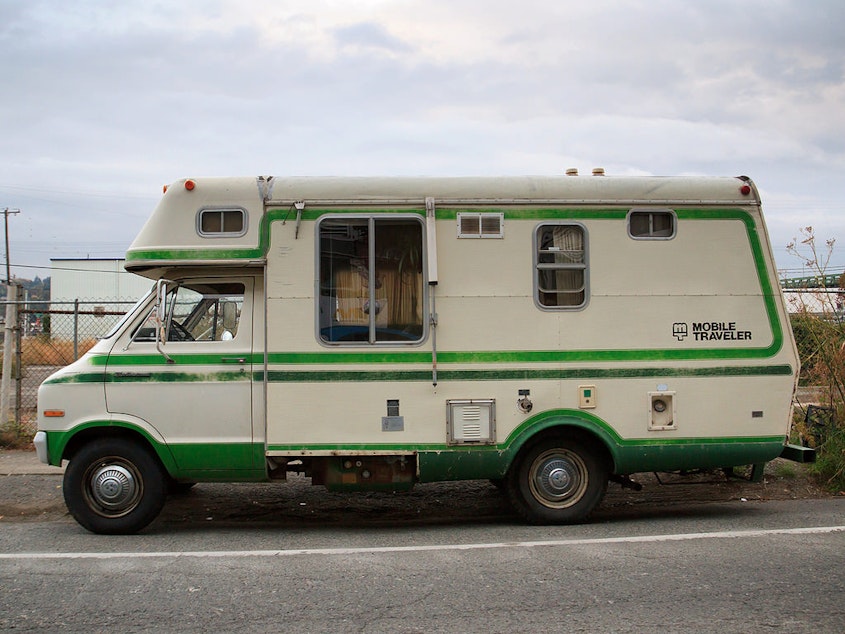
<point>6,213</point>
<point>11,323</point>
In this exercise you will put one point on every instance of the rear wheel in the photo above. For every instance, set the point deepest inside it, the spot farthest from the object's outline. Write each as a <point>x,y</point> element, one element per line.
<point>114,486</point>
<point>558,480</point>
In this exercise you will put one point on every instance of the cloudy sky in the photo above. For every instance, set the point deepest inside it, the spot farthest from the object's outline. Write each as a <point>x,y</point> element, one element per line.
<point>104,101</point>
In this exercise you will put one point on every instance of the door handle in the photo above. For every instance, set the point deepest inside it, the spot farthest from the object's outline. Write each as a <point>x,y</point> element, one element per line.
<point>240,360</point>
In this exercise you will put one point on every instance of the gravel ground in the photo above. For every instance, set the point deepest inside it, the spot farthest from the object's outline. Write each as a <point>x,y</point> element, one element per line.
<point>38,497</point>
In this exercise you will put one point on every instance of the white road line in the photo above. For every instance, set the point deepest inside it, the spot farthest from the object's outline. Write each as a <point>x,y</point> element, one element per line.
<point>434,547</point>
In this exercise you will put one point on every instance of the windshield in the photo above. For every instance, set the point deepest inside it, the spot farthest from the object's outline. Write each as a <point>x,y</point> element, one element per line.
<point>119,325</point>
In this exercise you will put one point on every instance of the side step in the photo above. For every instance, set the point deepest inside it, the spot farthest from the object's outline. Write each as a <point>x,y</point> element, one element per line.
<point>798,453</point>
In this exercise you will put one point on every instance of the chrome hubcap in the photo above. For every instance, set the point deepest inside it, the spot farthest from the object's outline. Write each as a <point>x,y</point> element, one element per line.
<point>114,488</point>
<point>558,478</point>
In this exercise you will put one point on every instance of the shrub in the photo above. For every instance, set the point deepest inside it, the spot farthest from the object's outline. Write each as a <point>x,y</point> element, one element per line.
<point>819,330</point>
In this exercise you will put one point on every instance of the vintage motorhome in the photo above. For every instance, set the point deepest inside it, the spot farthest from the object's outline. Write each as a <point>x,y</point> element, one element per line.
<point>548,333</point>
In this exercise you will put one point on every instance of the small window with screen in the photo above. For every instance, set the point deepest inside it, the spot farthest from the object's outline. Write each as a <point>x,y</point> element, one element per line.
<point>560,266</point>
<point>651,224</point>
<point>216,223</point>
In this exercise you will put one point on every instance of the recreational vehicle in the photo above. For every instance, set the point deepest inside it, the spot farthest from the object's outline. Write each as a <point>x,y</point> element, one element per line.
<point>547,333</point>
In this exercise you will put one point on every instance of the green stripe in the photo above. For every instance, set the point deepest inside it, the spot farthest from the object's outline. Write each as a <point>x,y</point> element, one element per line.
<point>178,359</point>
<point>341,376</point>
<point>277,376</point>
<point>353,448</point>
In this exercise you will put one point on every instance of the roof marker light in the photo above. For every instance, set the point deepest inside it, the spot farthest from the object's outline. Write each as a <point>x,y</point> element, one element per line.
<point>189,185</point>
<point>745,190</point>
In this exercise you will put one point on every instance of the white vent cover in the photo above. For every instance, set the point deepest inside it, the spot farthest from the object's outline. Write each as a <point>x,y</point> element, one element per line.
<point>481,225</point>
<point>471,422</point>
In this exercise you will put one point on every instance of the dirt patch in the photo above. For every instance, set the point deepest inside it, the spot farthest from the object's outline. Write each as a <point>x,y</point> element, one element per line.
<point>297,503</point>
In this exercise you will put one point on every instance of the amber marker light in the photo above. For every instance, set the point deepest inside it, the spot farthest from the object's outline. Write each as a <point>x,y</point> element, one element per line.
<point>54,413</point>
<point>189,185</point>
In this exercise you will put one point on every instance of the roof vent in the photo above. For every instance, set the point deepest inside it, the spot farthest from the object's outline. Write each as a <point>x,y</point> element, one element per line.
<point>572,171</point>
<point>598,171</point>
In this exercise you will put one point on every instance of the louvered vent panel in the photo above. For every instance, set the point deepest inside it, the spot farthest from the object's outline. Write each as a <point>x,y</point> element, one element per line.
<point>491,225</point>
<point>472,432</point>
<point>481,225</point>
<point>472,421</point>
<point>471,412</point>
<point>470,225</point>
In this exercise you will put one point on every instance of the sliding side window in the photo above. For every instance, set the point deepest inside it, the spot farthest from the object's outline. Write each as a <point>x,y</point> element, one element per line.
<point>371,280</point>
<point>650,224</point>
<point>560,266</point>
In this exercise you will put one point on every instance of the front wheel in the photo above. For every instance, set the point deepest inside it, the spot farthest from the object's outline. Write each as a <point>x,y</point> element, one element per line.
<point>114,486</point>
<point>559,480</point>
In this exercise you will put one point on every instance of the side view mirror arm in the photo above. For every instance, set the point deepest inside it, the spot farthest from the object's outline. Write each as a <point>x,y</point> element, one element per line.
<point>161,317</point>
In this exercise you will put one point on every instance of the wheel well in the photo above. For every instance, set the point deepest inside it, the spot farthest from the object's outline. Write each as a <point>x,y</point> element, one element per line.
<point>96,433</point>
<point>586,437</point>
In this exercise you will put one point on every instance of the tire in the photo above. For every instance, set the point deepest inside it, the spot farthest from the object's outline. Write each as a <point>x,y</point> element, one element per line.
<point>558,480</point>
<point>174,487</point>
<point>113,486</point>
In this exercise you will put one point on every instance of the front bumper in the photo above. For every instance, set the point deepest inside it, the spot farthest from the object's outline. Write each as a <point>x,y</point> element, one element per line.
<point>40,442</point>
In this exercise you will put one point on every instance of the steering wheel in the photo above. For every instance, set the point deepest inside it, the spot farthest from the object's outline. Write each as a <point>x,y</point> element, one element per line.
<point>179,333</point>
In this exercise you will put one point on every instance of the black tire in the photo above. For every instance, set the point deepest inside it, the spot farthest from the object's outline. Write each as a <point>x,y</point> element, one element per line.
<point>175,487</point>
<point>558,480</point>
<point>113,486</point>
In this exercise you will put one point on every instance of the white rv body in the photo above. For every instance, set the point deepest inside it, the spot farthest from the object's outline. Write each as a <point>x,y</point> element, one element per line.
<point>548,332</point>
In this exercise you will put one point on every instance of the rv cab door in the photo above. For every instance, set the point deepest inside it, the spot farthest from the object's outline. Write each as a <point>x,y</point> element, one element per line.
<point>192,385</point>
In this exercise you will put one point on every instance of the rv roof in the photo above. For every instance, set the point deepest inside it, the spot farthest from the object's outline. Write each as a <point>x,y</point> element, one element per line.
<point>175,234</point>
<point>566,189</point>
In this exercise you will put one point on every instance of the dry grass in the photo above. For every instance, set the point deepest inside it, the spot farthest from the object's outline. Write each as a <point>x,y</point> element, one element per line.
<point>43,350</point>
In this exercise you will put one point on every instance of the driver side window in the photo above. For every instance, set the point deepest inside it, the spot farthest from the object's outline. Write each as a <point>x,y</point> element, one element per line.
<point>199,312</point>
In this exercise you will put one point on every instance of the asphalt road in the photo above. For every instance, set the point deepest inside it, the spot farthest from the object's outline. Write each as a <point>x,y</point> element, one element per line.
<point>736,566</point>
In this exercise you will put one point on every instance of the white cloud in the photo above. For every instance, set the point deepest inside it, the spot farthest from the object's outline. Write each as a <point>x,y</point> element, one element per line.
<point>122,97</point>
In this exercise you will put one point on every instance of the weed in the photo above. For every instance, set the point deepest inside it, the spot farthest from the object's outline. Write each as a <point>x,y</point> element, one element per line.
<point>819,328</point>
<point>14,436</point>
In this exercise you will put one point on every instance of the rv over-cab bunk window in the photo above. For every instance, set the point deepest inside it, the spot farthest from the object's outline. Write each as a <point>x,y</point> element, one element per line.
<point>217,223</point>
<point>560,266</point>
<point>370,280</point>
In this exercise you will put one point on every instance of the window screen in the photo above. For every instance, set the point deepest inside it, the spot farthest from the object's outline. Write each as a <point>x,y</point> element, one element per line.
<point>560,266</point>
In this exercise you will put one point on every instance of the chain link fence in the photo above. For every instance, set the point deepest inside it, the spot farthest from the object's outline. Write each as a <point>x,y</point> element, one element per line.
<point>47,337</point>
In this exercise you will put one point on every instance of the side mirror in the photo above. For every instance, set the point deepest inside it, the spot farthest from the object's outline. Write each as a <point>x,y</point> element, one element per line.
<point>230,315</point>
<point>161,317</point>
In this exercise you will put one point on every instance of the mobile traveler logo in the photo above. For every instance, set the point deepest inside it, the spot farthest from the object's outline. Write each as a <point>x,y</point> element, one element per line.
<point>710,331</point>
